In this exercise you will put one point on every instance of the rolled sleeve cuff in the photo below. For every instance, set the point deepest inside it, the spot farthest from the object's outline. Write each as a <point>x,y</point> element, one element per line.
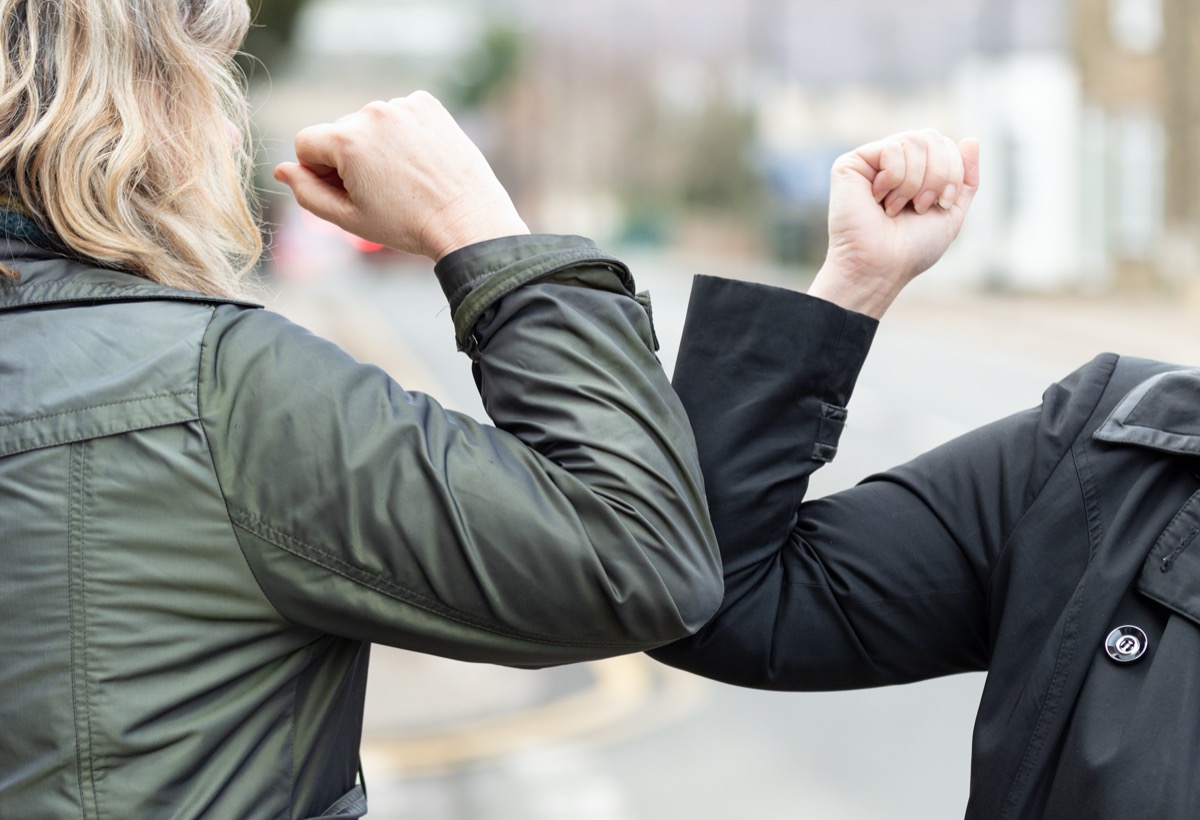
<point>809,350</point>
<point>477,276</point>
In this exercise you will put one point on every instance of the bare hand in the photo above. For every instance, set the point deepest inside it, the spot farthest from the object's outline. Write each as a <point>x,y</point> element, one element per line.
<point>895,206</point>
<point>402,174</point>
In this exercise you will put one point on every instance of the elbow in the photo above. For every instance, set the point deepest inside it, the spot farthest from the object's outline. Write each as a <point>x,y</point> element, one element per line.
<point>700,602</point>
<point>662,604</point>
<point>692,595</point>
<point>648,616</point>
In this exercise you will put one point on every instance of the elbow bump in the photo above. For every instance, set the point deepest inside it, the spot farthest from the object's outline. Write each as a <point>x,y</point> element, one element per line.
<point>675,610</point>
<point>705,602</point>
<point>697,600</point>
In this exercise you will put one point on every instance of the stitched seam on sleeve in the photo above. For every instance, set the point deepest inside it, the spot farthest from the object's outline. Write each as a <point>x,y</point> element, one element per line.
<point>879,601</point>
<point>364,578</point>
<point>217,474</point>
<point>915,597</point>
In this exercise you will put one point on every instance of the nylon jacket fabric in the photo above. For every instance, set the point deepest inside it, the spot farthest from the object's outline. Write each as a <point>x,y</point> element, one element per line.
<point>1014,549</point>
<point>207,514</point>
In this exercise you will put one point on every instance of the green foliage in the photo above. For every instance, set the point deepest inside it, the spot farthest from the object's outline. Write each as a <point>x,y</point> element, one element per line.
<point>488,69</point>
<point>719,173</point>
<point>278,16</point>
<point>271,35</point>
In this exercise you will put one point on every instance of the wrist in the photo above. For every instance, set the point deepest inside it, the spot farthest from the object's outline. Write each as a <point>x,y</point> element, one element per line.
<point>852,289</point>
<point>486,222</point>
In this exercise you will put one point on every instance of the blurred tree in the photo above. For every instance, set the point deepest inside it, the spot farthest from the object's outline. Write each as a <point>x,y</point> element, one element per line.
<point>694,171</point>
<point>488,70</point>
<point>271,35</point>
<point>719,173</point>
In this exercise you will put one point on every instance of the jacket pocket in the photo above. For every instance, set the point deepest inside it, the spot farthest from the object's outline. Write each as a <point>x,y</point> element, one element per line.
<point>1171,572</point>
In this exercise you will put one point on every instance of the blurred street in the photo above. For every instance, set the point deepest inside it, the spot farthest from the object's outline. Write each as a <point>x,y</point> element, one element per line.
<point>629,739</point>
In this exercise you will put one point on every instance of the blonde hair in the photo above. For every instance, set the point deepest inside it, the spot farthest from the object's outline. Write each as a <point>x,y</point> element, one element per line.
<point>115,134</point>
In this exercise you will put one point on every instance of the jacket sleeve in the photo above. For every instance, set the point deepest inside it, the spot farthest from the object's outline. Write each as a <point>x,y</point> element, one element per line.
<point>575,528</point>
<point>887,582</point>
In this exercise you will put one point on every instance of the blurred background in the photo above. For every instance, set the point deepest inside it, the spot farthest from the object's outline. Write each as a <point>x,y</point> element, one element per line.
<point>696,136</point>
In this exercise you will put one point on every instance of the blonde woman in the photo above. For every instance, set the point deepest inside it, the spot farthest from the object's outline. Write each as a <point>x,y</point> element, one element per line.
<point>207,514</point>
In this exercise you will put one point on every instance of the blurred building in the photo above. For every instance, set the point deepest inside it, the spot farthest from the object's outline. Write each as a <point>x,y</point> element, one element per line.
<point>1019,92</point>
<point>1138,69</point>
<point>641,103</point>
<point>713,124</point>
<point>635,119</point>
<point>842,74</point>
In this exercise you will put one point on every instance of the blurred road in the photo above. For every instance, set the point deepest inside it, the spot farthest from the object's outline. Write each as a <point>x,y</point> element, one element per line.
<point>631,740</point>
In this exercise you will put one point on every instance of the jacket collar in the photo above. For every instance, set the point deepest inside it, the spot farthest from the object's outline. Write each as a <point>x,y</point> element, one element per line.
<point>49,275</point>
<point>1162,413</point>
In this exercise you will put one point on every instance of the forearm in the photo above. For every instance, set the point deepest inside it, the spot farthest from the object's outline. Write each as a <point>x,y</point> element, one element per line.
<point>887,582</point>
<point>812,588</point>
<point>575,530</point>
<point>766,375</point>
<point>850,290</point>
<point>565,361</point>
<point>578,532</point>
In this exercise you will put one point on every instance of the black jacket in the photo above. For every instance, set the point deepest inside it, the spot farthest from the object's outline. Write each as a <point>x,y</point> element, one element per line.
<point>1017,549</point>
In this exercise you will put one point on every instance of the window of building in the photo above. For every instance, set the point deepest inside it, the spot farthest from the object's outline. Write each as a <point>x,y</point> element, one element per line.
<point>1141,154</point>
<point>1136,25</point>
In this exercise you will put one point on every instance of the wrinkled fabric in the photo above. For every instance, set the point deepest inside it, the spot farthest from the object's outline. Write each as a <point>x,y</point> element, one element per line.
<point>1014,549</point>
<point>208,514</point>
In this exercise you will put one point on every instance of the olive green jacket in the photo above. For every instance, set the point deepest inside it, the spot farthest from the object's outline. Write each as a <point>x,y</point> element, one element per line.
<point>207,514</point>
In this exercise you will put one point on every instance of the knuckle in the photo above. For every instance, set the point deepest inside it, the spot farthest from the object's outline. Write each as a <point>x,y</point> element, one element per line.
<point>893,153</point>
<point>376,109</point>
<point>422,102</point>
<point>344,140</point>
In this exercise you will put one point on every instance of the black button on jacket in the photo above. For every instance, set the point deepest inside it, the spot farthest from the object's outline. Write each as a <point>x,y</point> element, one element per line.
<point>1015,549</point>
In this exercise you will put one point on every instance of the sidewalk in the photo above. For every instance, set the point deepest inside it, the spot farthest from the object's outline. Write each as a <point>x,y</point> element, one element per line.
<point>1058,332</point>
<point>1061,330</point>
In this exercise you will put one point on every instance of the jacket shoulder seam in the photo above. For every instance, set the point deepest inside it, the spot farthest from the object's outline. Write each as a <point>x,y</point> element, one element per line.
<point>200,420</point>
<point>1110,361</point>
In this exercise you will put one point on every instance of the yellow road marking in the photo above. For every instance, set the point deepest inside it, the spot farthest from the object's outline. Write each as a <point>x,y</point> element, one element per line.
<point>621,686</point>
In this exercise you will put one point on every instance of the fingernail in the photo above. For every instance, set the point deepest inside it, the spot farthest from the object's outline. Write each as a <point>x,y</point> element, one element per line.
<point>925,201</point>
<point>948,196</point>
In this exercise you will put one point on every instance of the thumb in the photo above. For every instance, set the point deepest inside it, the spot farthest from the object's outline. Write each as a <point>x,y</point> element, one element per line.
<point>319,194</point>
<point>969,148</point>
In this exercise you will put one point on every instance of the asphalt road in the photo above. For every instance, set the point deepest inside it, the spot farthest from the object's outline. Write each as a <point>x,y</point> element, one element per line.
<point>632,740</point>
